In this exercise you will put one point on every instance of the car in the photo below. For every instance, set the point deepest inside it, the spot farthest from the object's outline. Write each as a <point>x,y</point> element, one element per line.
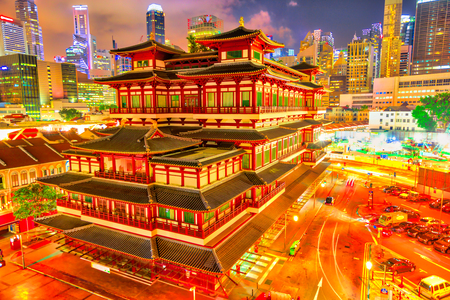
<point>398,265</point>
<point>403,195</point>
<point>429,237</point>
<point>437,203</point>
<point>442,245</point>
<point>397,192</point>
<point>414,231</point>
<point>388,188</point>
<point>446,208</point>
<point>412,215</point>
<point>393,189</point>
<point>403,227</point>
<point>421,198</point>
<point>429,221</point>
<point>434,287</point>
<point>392,208</point>
<point>329,200</point>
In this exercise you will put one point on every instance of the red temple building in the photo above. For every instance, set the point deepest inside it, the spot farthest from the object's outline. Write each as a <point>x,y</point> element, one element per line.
<point>192,178</point>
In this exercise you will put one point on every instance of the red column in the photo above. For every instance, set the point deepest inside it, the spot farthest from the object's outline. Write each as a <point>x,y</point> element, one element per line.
<point>142,99</point>
<point>153,175</point>
<point>79,163</point>
<point>102,163</point>
<point>254,95</point>
<point>167,175</point>
<point>253,157</point>
<point>238,93</point>
<point>209,174</point>
<point>113,163</point>
<point>219,95</point>
<point>226,168</point>
<point>129,98</point>
<point>217,173</point>
<point>205,95</point>
<point>199,97</point>
<point>154,96</point>
<point>133,164</point>
<point>119,105</point>
<point>198,178</point>
<point>70,163</point>
<point>89,162</point>
<point>278,95</point>
<point>182,97</point>
<point>147,169</point>
<point>182,176</point>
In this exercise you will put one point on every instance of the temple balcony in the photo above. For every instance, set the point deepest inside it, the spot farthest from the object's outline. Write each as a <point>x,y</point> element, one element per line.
<point>216,110</point>
<point>124,176</point>
<point>317,158</point>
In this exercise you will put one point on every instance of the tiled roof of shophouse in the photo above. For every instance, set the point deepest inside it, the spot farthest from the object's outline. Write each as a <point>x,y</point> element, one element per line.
<point>61,222</point>
<point>275,172</point>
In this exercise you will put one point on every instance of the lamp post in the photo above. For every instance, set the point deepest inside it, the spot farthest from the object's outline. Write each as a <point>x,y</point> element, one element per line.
<point>192,289</point>
<point>295,218</point>
<point>369,267</point>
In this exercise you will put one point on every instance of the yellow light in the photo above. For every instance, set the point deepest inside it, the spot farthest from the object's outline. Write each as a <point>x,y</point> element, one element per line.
<point>369,265</point>
<point>295,218</point>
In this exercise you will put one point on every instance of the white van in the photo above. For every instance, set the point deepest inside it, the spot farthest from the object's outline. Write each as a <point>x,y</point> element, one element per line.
<point>434,287</point>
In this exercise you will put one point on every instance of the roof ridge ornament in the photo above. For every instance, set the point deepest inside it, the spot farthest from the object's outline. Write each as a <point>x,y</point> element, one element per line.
<point>241,22</point>
<point>152,36</point>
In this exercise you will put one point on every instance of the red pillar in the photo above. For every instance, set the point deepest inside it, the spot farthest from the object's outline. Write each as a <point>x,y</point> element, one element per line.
<point>199,97</point>
<point>133,164</point>
<point>219,95</point>
<point>204,96</point>
<point>102,163</point>
<point>253,157</point>
<point>129,98</point>
<point>79,163</point>
<point>209,174</point>
<point>217,172</point>
<point>238,93</point>
<point>154,96</point>
<point>254,95</point>
<point>182,97</point>
<point>142,98</point>
<point>113,163</point>
<point>89,162</point>
<point>147,169</point>
<point>182,176</point>
<point>119,105</point>
<point>198,178</point>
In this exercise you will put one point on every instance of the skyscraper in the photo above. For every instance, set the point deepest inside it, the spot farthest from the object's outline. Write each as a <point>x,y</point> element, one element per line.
<point>328,38</point>
<point>431,37</point>
<point>204,25</point>
<point>405,60</point>
<point>26,11</point>
<point>390,49</point>
<point>374,35</point>
<point>155,23</point>
<point>407,30</point>
<point>12,37</point>
<point>359,66</point>
<point>80,53</point>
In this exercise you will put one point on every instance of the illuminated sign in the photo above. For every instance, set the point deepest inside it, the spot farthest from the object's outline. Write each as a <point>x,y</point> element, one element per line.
<point>101,268</point>
<point>7,19</point>
<point>4,68</point>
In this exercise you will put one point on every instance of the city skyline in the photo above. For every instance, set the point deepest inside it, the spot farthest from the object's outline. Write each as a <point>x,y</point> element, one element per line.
<point>288,23</point>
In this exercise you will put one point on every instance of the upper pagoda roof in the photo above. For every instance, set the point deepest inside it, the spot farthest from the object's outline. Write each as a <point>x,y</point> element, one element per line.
<point>226,69</point>
<point>308,85</point>
<point>142,75</point>
<point>303,66</point>
<point>138,140</point>
<point>145,46</point>
<point>240,33</point>
<point>190,56</point>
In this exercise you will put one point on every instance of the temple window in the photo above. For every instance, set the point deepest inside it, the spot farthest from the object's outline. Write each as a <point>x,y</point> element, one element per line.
<point>274,100</point>
<point>148,100</point>
<point>123,101</point>
<point>88,201</point>
<point>234,54</point>
<point>102,205</point>
<point>245,99</point>
<point>286,99</point>
<point>120,209</point>
<point>224,207</point>
<point>189,217</point>
<point>280,101</point>
<point>274,152</point>
<point>208,216</point>
<point>175,101</point>
<point>256,55</point>
<point>15,179</point>
<point>308,137</point>
<point>246,161</point>
<point>162,101</point>
<point>285,144</point>
<point>140,213</point>
<point>166,213</point>
<point>135,101</point>
<point>211,99</point>
<point>2,182</point>
<point>24,177</point>
<point>258,99</point>
<point>75,196</point>
<point>258,159</point>
<point>267,156</point>
<point>142,63</point>
<point>290,142</point>
<point>227,99</point>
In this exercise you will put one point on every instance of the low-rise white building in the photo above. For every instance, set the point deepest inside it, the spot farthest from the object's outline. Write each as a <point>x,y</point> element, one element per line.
<point>393,118</point>
<point>51,111</point>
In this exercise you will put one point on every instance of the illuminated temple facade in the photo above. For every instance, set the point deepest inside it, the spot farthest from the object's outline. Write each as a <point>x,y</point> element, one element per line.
<point>193,177</point>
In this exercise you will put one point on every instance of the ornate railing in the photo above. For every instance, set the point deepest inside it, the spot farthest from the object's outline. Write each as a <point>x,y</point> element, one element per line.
<point>214,110</point>
<point>269,196</point>
<point>139,178</point>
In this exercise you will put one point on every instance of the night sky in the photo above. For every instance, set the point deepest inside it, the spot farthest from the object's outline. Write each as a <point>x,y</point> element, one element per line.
<point>287,20</point>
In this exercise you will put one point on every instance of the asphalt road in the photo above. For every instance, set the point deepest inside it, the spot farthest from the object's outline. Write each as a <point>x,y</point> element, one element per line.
<point>331,253</point>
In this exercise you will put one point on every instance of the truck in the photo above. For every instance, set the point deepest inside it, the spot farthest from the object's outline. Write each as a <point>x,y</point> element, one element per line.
<point>392,218</point>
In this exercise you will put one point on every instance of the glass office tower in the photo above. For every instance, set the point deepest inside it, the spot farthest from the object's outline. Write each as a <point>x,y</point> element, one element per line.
<point>155,23</point>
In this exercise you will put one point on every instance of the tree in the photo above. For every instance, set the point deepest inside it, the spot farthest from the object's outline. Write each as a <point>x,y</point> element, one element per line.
<point>364,107</point>
<point>34,200</point>
<point>424,120</point>
<point>69,113</point>
<point>194,47</point>
<point>434,111</point>
<point>102,107</point>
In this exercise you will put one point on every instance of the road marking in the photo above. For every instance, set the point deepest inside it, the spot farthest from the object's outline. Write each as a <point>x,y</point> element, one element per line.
<point>413,241</point>
<point>429,260</point>
<point>318,288</point>
<point>267,272</point>
<point>410,207</point>
<point>422,271</point>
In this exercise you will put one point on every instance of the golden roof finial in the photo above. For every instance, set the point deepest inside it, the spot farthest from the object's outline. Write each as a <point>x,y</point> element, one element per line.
<point>241,22</point>
<point>152,35</point>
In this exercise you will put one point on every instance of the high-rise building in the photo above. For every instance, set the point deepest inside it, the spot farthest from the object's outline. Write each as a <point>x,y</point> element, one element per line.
<point>80,53</point>
<point>325,62</point>
<point>56,81</point>
<point>26,11</point>
<point>407,29</point>
<point>359,66</point>
<point>431,37</point>
<point>338,85</point>
<point>375,37</point>
<point>93,94</point>
<point>12,37</point>
<point>155,23</point>
<point>405,60</point>
<point>340,66</point>
<point>328,38</point>
<point>309,49</point>
<point>204,25</point>
<point>390,49</point>
<point>19,82</point>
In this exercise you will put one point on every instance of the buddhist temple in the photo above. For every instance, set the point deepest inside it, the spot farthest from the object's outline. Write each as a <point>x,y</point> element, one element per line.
<point>193,177</point>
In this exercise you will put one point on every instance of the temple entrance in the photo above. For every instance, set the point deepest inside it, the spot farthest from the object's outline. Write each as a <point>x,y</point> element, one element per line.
<point>190,101</point>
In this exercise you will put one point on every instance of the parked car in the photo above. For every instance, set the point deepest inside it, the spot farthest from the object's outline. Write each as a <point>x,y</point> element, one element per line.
<point>429,237</point>
<point>412,215</point>
<point>387,188</point>
<point>392,189</point>
<point>392,208</point>
<point>429,221</point>
<point>442,245</point>
<point>437,203</point>
<point>402,227</point>
<point>434,287</point>
<point>446,208</point>
<point>420,198</point>
<point>404,195</point>
<point>398,265</point>
<point>414,231</point>
<point>397,192</point>
<point>329,200</point>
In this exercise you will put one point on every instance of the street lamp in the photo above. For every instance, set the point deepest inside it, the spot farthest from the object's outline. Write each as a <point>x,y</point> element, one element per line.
<point>192,289</point>
<point>295,218</point>
<point>368,266</point>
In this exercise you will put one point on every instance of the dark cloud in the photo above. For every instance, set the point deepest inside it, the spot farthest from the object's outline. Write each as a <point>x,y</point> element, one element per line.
<point>125,19</point>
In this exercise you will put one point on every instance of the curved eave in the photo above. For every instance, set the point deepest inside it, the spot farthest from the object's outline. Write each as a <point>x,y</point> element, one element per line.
<point>189,267</point>
<point>280,76</point>
<point>209,40</point>
<point>126,53</point>
<point>148,79</point>
<point>142,153</point>
<point>270,42</point>
<point>288,69</point>
<point>190,77</point>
